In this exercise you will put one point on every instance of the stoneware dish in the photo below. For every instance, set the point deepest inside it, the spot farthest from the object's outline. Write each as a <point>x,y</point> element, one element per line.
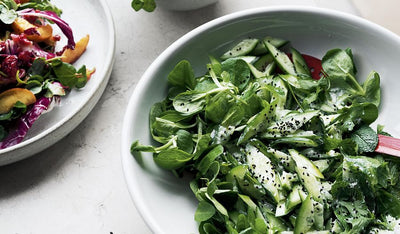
<point>56,124</point>
<point>166,202</point>
<point>183,5</point>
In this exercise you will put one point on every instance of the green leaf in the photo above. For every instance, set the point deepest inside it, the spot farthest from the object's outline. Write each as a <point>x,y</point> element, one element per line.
<point>7,11</point>
<point>136,147</point>
<point>172,158</point>
<point>337,64</point>
<point>182,75</point>
<point>184,141</point>
<point>81,77</point>
<point>234,116</point>
<point>190,102</point>
<point>137,4</point>
<point>209,158</point>
<point>65,73</point>
<point>372,88</point>
<point>149,5</point>
<point>239,72</point>
<point>217,107</point>
<point>43,5</point>
<point>366,139</point>
<point>204,211</point>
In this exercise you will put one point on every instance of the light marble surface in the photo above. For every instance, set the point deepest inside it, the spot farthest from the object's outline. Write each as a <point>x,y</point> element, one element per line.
<point>77,185</point>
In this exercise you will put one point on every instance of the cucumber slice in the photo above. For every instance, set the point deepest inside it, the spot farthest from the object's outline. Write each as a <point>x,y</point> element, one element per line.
<point>263,170</point>
<point>256,73</point>
<point>294,197</point>
<point>284,207</point>
<point>322,164</point>
<point>242,48</point>
<point>239,175</point>
<point>275,223</point>
<point>262,63</point>
<point>308,173</point>
<point>260,48</point>
<point>305,164</point>
<point>291,122</point>
<point>305,218</point>
<point>318,215</point>
<point>287,179</point>
<point>270,68</point>
<point>300,64</point>
<point>247,58</point>
<point>278,157</point>
<point>281,59</point>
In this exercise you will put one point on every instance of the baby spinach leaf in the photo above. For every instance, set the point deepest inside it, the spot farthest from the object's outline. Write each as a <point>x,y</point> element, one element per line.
<point>338,64</point>
<point>372,88</point>
<point>182,75</point>
<point>239,72</point>
<point>217,107</point>
<point>202,144</point>
<point>184,141</point>
<point>234,115</point>
<point>137,147</point>
<point>209,158</point>
<point>204,211</point>
<point>172,158</point>
<point>190,102</point>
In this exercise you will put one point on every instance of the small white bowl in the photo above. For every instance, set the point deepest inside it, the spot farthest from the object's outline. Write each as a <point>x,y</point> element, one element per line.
<point>166,202</point>
<point>184,5</point>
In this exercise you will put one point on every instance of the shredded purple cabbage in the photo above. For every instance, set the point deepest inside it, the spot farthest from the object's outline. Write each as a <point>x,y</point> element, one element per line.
<point>65,28</point>
<point>26,121</point>
<point>19,43</point>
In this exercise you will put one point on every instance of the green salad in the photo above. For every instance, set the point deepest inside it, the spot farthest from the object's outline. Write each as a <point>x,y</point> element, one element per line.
<point>278,142</point>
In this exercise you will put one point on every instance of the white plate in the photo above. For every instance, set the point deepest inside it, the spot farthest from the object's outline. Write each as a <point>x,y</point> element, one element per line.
<point>165,202</point>
<point>90,17</point>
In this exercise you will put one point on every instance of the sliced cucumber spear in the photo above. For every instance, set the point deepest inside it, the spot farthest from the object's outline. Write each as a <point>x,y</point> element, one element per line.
<point>260,48</point>
<point>283,61</point>
<point>263,169</point>
<point>242,48</point>
<point>299,63</point>
<point>305,218</point>
<point>309,174</point>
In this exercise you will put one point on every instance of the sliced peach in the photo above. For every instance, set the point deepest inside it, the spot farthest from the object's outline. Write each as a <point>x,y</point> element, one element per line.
<point>45,31</point>
<point>90,72</point>
<point>9,97</point>
<point>70,56</point>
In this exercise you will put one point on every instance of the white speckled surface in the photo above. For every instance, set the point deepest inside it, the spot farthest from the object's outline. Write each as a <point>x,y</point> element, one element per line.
<point>77,185</point>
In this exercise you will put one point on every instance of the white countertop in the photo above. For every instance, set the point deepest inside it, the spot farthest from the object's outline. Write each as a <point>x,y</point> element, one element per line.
<point>77,185</point>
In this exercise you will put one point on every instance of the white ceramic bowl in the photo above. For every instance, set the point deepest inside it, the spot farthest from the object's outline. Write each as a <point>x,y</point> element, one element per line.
<point>165,202</point>
<point>183,5</point>
<point>53,126</point>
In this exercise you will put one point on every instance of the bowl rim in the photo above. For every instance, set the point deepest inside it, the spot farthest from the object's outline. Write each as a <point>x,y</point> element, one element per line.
<point>146,78</point>
<point>109,61</point>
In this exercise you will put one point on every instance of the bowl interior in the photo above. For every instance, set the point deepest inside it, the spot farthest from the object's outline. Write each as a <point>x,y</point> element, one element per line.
<point>165,201</point>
